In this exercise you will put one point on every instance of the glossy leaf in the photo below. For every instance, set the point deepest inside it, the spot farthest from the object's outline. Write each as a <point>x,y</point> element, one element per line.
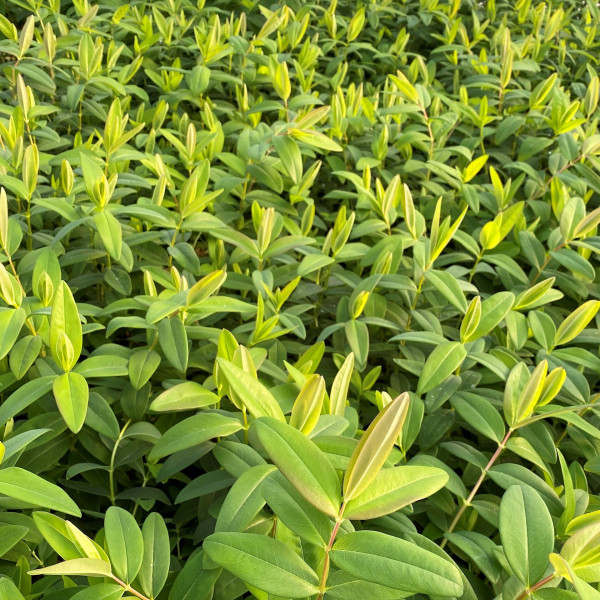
<point>263,562</point>
<point>301,462</point>
<point>396,563</point>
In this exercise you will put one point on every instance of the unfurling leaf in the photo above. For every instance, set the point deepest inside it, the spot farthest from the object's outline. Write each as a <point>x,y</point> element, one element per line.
<point>374,447</point>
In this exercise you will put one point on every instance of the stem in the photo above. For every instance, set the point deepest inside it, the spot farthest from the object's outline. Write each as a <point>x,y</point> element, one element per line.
<point>29,230</point>
<point>128,588</point>
<point>29,321</point>
<point>476,487</point>
<point>562,436</point>
<point>548,258</point>
<point>429,130</point>
<point>321,297</point>
<point>477,261</point>
<point>325,573</point>
<point>414,304</point>
<point>541,583</point>
<point>111,473</point>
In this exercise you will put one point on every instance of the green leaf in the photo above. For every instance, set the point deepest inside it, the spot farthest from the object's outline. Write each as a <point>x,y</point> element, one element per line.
<point>308,404</point>
<point>142,366</point>
<point>110,233</point>
<point>480,414</point>
<point>254,395</point>
<point>339,388</point>
<point>357,334</point>
<point>194,582</point>
<point>9,591</point>
<point>244,500</point>
<point>64,321</point>
<point>481,550</point>
<point>10,535</point>
<point>581,552</point>
<point>11,323</point>
<point>316,139</point>
<point>174,343</point>
<point>184,396</point>
<point>72,394</point>
<point>527,533</point>
<point>301,462</point>
<point>374,447</point>
<point>441,363</point>
<point>564,569</point>
<point>100,591</point>
<point>23,354</point>
<point>157,555</point>
<point>343,586</point>
<point>102,366</point>
<point>493,311</point>
<point>289,153</point>
<point>87,567</point>
<point>576,322</point>
<point>394,489</point>
<point>55,532</point>
<point>299,515</point>
<point>194,431</point>
<point>509,474</point>
<point>124,542</point>
<point>26,395</point>
<point>263,562</point>
<point>30,488</point>
<point>447,285</point>
<point>396,563</point>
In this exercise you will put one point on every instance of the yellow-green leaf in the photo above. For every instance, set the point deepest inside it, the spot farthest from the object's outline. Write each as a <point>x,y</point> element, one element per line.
<point>374,447</point>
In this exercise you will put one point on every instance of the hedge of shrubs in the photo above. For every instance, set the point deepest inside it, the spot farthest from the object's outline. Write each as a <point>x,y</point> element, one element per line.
<point>299,300</point>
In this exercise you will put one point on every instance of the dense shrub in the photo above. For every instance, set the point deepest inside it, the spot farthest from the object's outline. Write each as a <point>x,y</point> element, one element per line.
<point>299,300</point>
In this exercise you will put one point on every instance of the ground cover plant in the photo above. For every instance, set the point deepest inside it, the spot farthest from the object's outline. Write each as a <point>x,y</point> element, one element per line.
<point>299,300</point>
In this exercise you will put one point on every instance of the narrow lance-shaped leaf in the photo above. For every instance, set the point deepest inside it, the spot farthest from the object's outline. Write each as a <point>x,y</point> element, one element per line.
<point>27,487</point>
<point>64,320</point>
<point>339,388</point>
<point>576,322</point>
<point>441,363</point>
<point>307,407</point>
<point>294,511</point>
<point>255,396</point>
<point>531,393</point>
<point>374,447</point>
<point>72,394</point>
<point>302,463</point>
<point>87,567</point>
<point>184,396</point>
<point>194,431</point>
<point>244,500</point>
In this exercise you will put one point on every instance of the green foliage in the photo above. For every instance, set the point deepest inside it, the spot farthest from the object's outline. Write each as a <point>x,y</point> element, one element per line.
<point>299,300</point>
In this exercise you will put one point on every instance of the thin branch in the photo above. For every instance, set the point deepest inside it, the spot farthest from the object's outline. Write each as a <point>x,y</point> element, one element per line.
<point>528,591</point>
<point>128,588</point>
<point>325,572</point>
<point>476,487</point>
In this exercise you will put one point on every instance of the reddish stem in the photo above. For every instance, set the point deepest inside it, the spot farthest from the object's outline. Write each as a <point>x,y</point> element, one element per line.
<point>476,487</point>
<point>527,592</point>
<point>325,573</point>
